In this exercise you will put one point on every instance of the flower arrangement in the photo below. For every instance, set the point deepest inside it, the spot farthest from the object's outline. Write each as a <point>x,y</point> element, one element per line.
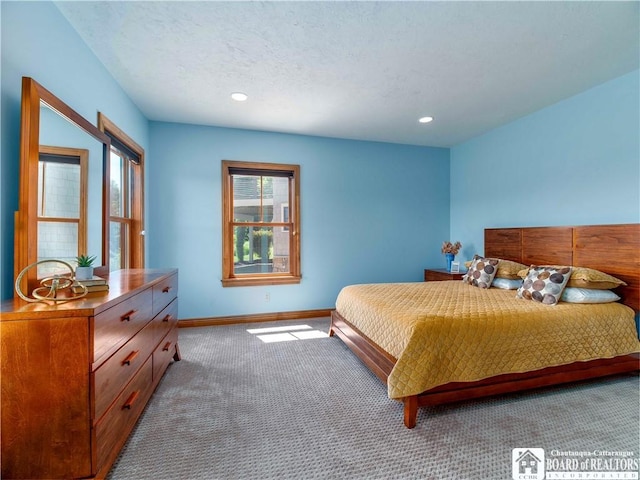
<point>448,247</point>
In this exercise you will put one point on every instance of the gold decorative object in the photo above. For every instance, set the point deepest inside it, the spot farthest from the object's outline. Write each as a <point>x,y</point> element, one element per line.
<point>50,286</point>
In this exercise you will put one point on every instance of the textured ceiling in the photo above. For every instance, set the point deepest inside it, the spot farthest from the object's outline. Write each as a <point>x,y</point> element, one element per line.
<point>358,70</point>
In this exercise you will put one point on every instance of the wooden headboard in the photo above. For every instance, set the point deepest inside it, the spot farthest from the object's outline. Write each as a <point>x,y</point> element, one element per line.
<point>613,249</point>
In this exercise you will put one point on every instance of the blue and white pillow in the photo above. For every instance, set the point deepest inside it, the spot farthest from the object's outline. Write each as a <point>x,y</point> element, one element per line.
<point>587,295</point>
<point>506,283</point>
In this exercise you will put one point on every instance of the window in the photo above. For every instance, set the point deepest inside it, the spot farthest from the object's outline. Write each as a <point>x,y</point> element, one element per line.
<point>62,206</point>
<point>261,223</point>
<point>126,212</point>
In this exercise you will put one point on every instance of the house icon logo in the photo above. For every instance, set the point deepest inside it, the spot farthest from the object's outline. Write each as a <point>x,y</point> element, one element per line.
<point>527,463</point>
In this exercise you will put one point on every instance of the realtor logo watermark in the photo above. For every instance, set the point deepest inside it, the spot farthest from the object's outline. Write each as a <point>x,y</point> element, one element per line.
<point>528,463</point>
<point>532,464</point>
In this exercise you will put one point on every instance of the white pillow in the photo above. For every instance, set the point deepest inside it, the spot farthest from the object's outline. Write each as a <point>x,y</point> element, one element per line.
<point>586,295</point>
<point>506,283</point>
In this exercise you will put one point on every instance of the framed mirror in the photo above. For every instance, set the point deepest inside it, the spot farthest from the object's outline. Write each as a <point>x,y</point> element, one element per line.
<point>64,187</point>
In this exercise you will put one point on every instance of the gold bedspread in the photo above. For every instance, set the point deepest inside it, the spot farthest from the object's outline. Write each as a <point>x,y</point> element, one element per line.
<point>449,331</point>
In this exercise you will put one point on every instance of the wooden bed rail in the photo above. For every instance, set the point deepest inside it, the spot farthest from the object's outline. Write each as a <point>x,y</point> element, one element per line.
<point>510,383</point>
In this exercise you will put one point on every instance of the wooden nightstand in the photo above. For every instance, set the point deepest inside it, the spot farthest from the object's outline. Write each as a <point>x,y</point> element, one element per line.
<point>437,274</point>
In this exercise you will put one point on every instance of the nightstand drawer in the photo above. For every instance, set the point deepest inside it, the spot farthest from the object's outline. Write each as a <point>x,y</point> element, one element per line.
<point>436,275</point>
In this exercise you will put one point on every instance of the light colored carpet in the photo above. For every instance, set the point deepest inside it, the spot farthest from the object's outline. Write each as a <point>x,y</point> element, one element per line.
<point>238,408</point>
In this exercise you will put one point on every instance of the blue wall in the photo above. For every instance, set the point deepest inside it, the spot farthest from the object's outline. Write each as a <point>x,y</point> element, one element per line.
<point>38,42</point>
<point>371,212</point>
<point>576,162</point>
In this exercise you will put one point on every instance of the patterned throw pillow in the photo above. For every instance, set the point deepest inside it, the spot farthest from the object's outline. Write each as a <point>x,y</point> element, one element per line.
<point>481,271</point>
<point>544,284</point>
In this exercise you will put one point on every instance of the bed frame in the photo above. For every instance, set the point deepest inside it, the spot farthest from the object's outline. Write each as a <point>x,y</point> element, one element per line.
<point>613,249</point>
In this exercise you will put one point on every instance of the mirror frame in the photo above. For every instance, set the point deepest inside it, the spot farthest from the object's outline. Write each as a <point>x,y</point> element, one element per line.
<point>26,223</point>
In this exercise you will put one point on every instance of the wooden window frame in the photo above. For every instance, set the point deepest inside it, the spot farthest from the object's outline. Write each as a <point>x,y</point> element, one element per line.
<point>136,221</point>
<point>229,278</point>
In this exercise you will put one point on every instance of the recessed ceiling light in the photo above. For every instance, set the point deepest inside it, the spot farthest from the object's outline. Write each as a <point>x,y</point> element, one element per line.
<point>239,96</point>
<point>425,119</point>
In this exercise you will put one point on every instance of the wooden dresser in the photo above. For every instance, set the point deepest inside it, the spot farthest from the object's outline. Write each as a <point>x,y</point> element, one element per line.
<point>76,376</point>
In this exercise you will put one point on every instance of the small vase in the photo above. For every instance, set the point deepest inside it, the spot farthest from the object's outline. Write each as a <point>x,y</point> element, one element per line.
<point>450,257</point>
<point>84,273</point>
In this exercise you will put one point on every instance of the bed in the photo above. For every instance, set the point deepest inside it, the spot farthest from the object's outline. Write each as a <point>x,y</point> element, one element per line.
<point>487,342</point>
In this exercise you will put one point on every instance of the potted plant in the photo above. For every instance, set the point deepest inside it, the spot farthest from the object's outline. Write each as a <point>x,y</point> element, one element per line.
<point>450,251</point>
<point>84,270</point>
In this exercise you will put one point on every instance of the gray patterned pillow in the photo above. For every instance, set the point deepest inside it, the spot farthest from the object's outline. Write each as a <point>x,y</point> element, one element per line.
<point>544,284</point>
<point>481,271</point>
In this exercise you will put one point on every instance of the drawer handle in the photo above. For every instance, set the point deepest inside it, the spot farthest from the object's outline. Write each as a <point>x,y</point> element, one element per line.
<point>127,316</point>
<point>166,347</point>
<point>130,358</point>
<point>131,400</point>
<point>166,289</point>
<point>167,317</point>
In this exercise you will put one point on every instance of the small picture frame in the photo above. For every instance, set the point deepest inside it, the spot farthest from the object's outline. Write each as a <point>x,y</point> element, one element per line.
<point>455,267</point>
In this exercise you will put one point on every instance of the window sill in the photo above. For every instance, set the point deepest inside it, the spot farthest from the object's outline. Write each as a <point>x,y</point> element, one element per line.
<point>264,280</point>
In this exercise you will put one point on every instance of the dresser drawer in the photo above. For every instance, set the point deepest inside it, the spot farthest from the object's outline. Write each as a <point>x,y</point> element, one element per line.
<point>115,326</point>
<point>165,321</point>
<point>114,428</point>
<point>164,292</point>
<point>116,372</point>
<point>163,354</point>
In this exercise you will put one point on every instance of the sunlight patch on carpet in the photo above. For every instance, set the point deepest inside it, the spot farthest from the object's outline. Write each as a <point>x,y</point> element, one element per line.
<point>287,334</point>
<point>289,328</point>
